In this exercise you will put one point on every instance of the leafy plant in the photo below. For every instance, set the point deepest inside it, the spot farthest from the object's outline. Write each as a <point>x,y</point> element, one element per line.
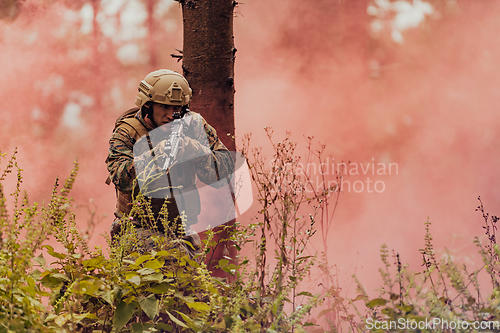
<point>21,294</point>
<point>440,297</point>
<point>166,289</point>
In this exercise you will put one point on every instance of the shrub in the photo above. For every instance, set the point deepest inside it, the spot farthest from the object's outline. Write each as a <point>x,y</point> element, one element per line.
<point>445,296</point>
<point>129,290</point>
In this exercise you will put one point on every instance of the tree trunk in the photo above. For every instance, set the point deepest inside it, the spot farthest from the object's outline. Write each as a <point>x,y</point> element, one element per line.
<point>208,62</point>
<point>208,65</point>
<point>9,9</point>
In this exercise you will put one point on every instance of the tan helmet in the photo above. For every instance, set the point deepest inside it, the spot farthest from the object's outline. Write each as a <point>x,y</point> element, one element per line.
<point>165,87</point>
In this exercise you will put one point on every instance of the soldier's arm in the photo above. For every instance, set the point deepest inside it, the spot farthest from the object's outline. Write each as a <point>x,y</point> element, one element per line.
<point>219,164</point>
<point>121,160</point>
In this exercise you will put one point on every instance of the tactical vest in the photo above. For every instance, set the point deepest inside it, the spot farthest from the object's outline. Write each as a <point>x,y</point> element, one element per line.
<point>187,198</point>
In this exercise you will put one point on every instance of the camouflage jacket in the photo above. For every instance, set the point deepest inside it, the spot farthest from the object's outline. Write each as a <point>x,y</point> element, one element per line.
<point>122,167</point>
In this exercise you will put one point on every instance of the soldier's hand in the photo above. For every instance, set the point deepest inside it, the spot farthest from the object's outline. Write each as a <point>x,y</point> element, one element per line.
<point>162,148</point>
<point>159,151</point>
<point>190,148</point>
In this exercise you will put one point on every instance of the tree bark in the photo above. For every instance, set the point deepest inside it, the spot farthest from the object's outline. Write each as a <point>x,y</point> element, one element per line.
<point>208,62</point>
<point>208,65</point>
<point>9,9</point>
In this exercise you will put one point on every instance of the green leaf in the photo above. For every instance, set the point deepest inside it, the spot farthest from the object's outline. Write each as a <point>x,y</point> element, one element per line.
<point>146,271</point>
<point>129,275</point>
<point>163,254</point>
<point>175,320</point>
<point>487,310</point>
<point>30,281</point>
<point>305,293</point>
<point>190,322</point>
<point>156,277</point>
<point>405,308</point>
<point>40,260</point>
<point>123,314</point>
<point>107,295</point>
<point>86,287</point>
<point>416,318</point>
<point>182,262</point>
<point>223,263</point>
<point>78,317</point>
<point>162,288</point>
<point>165,327</point>
<point>142,259</point>
<point>309,324</point>
<point>60,277</point>
<point>186,299</point>
<point>199,306</point>
<point>36,274</point>
<point>149,305</point>
<point>50,317</point>
<point>388,311</point>
<point>51,282</point>
<point>231,269</point>
<point>192,263</point>
<point>134,280</point>
<point>228,320</point>
<point>118,292</point>
<point>62,319</point>
<point>94,262</point>
<point>139,328</point>
<point>376,302</point>
<point>154,264</point>
<point>128,261</point>
<point>53,253</point>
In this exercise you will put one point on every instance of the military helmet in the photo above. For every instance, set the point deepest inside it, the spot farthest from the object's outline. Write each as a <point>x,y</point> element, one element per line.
<point>165,87</point>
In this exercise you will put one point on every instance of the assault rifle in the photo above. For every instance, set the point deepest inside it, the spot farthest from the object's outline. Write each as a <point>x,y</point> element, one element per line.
<point>182,120</point>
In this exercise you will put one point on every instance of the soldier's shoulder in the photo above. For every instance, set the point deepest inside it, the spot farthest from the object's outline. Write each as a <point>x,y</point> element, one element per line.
<point>196,115</point>
<point>131,124</point>
<point>197,119</point>
<point>130,113</point>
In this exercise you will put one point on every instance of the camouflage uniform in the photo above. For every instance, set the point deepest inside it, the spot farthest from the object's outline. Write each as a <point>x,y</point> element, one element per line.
<point>122,172</point>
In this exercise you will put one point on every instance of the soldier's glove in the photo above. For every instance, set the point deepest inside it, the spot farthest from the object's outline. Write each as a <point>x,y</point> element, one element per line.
<point>158,151</point>
<point>162,148</point>
<point>190,149</point>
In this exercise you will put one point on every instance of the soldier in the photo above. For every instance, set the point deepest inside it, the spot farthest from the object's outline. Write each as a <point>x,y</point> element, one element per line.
<point>163,96</point>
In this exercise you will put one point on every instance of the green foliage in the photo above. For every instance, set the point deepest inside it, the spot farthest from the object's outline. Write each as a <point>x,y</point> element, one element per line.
<point>21,309</point>
<point>168,289</point>
<point>286,230</point>
<point>444,290</point>
<point>132,289</point>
